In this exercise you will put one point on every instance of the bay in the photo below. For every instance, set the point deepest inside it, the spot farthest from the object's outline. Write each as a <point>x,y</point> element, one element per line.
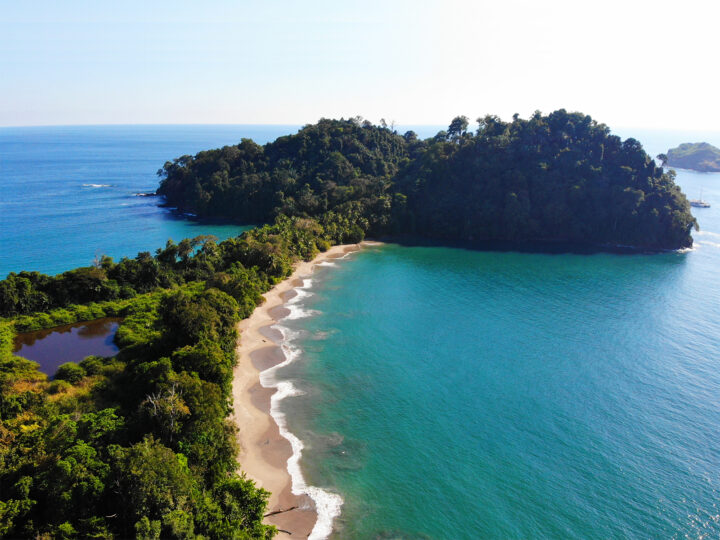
<point>452,393</point>
<point>69,192</point>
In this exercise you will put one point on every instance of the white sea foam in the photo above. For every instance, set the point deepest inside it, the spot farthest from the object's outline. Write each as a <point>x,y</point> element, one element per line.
<point>96,185</point>
<point>708,243</point>
<point>707,233</point>
<point>288,334</point>
<point>293,305</point>
<point>297,312</point>
<point>327,263</point>
<point>327,504</point>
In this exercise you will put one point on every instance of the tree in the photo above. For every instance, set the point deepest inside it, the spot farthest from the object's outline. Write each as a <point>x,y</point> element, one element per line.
<point>167,408</point>
<point>458,127</point>
<point>152,481</point>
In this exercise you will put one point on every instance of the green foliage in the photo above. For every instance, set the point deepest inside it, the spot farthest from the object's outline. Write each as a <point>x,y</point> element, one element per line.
<point>556,178</point>
<point>73,313</point>
<point>702,157</point>
<point>153,479</point>
<point>561,177</point>
<point>92,365</point>
<point>160,462</point>
<point>242,267</point>
<point>21,384</point>
<point>141,444</point>
<point>70,372</point>
<point>309,173</point>
<point>148,530</point>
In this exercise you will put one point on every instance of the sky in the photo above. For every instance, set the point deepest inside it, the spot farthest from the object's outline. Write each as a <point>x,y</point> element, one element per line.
<point>627,63</point>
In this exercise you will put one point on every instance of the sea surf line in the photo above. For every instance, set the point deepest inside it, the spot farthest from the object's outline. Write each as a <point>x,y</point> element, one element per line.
<point>328,505</point>
<point>267,456</point>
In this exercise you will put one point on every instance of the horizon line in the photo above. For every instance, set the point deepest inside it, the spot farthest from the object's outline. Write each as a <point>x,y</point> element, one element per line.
<point>300,125</point>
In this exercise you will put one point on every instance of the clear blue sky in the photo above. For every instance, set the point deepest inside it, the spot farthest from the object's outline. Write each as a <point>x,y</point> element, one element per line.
<point>625,62</point>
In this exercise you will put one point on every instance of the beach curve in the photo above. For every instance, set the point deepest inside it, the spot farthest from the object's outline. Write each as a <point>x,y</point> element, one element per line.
<point>269,453</point>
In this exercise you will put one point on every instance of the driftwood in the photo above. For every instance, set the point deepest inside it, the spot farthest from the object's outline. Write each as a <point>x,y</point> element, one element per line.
<point>281,512</point>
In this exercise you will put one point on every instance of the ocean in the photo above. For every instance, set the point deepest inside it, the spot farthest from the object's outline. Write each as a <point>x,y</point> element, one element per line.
<point>443,392</point>
<point>69,193</point>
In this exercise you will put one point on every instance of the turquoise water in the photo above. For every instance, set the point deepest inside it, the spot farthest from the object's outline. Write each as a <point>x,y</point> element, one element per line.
<point>450,393</point>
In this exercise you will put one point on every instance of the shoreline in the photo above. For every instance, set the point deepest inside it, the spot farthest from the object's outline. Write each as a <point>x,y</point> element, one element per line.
<point>269,453</point>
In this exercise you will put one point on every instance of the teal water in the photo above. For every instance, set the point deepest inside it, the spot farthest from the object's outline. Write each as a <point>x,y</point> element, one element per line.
<point>449,393</point>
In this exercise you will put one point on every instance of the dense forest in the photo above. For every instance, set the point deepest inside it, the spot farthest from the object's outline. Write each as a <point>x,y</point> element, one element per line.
<point>138,445</point>
<point>556,178</point>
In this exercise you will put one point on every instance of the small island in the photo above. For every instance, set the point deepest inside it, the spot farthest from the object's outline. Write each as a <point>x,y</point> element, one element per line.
<point>702,157</point>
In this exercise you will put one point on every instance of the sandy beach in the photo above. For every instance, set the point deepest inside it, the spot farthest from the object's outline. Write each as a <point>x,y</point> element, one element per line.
<point>263,450</point>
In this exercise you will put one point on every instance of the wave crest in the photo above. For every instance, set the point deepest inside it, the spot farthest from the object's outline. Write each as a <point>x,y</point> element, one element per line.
<point>327,504</point>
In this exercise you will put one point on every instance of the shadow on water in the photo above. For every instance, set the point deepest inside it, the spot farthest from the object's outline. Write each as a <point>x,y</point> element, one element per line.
<point>53,347</point>
<point>546,247</point>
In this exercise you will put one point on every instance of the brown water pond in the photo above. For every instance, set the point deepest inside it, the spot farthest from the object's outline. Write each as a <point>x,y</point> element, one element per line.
<point>53,347</point>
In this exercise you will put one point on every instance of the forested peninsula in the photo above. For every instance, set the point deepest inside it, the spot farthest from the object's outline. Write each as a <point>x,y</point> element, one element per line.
<point>140,444</point>
<point>556,178</point>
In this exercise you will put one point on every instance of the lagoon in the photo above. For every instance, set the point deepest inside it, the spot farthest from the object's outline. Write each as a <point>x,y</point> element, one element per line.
<point>53,347</point>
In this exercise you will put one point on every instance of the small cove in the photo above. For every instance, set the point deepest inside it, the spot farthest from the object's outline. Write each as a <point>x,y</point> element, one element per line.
<point>52,347</point>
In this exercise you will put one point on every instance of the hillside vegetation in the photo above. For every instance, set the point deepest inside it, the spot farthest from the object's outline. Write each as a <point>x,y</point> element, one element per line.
<point>556,178</point>
<point>701,157</point>
<point>140,444</point>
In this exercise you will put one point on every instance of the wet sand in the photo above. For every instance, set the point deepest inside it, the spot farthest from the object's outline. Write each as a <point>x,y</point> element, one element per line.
<point>263,451</point>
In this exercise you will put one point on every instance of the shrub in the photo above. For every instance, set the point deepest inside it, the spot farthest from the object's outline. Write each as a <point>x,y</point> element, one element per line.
<point>70,372</point>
